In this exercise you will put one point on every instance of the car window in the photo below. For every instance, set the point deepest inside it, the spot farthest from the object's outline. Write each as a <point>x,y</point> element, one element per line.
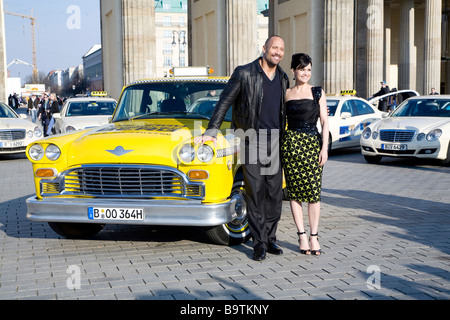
<point>156,99</point>
<point>5,112</point>
<point>90,108</point>
<point>347,106</point>
<point>423,108</point>
<point>332,106</point>
<point>362,108</point>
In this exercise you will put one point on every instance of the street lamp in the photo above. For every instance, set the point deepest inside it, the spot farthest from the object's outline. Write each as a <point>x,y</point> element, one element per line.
<point>181,34</point>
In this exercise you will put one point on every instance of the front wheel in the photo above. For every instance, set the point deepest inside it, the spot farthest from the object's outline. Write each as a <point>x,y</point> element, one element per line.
<point>75,230</point>
<point>236,231</point>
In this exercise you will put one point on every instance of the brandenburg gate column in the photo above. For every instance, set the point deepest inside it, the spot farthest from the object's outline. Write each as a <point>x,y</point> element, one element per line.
<point>375,45</point>
<point>338,51</point>
<point>432,74</point>
<point>407,53</point>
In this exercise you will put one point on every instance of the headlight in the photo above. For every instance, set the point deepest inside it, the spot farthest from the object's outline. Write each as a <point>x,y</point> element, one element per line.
<point>186,153</point>
<point>421,136</point>
<point>374,135</point>
<point>36,152</point>
<point>205,153</point>
<point>52,152</point>
<point>70,128</point>
<point>367,133</point>
<point>30,134</point>
<point>434,134</point>
<point>37,132</point>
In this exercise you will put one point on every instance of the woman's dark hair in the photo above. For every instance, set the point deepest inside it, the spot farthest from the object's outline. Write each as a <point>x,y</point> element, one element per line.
<point>300,61</point>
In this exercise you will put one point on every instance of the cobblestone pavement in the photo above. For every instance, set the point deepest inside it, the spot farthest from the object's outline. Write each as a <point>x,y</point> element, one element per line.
<point>384,229</point>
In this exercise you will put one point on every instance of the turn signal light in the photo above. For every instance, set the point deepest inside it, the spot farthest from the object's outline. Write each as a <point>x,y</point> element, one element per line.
<point>198,175</point>
<point>45,173</point>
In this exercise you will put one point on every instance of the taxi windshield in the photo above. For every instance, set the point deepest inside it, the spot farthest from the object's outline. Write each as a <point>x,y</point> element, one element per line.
<point>90,108</point>
<point>6,112</point>
<point>170,98</point>
<point>423,108</point>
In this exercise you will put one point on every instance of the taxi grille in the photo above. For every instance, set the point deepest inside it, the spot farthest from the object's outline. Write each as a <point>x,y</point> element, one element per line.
<point>130,181</point>
<point>11,135</point>
<point>397,135</point>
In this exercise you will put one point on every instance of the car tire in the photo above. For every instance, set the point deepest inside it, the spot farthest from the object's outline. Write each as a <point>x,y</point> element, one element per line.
<point>446,161</point>
<point>236,231</point>
<point>75,230</point>
<point>373,159</point>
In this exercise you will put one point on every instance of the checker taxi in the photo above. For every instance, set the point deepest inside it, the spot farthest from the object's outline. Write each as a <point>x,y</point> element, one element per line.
<point>143,168</point>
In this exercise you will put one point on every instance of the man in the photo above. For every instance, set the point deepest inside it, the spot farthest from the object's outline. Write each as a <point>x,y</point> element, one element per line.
<point>383,104</point>
<point>257,92</point>
<point>433,91</point>
<point>33,104</point>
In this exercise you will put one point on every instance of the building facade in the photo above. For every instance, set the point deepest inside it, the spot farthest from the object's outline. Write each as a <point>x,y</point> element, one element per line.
<point>93,69</point>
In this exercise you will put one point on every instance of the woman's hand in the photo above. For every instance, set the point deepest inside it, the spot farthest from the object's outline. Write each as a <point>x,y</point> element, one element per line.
<point>323,156</point>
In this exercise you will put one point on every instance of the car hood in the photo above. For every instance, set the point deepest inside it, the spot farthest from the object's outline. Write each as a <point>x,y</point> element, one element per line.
<point>16,123</point>
<point>411,123</point>
<point>136,142</point>
<point>86,122</point>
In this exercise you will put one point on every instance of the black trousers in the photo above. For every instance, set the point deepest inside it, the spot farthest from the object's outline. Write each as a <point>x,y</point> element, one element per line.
<point>264,201</point>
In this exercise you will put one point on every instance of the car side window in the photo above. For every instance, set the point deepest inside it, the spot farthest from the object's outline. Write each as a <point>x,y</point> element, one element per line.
<point>362,107</point>
<point>347,107</point>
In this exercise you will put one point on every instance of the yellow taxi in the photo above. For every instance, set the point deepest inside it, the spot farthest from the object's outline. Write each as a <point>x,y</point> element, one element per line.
<point>142,168</point>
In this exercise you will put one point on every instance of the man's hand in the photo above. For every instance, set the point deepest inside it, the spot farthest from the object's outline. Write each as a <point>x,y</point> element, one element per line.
<point>203,139</point>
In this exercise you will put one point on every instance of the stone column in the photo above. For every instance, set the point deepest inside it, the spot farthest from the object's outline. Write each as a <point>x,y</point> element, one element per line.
<point>407,54</point>
<point>3,69</point>
<point>375,26</point>
<point>138,34</point>
<point>338,52</point>
<point>432,74</point>
<point>241,23</point>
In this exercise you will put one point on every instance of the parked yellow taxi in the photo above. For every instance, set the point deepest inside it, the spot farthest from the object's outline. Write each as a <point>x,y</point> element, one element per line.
<point>142,168</point>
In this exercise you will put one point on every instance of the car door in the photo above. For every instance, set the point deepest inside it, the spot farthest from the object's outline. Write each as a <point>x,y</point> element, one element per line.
<point>347,123</point>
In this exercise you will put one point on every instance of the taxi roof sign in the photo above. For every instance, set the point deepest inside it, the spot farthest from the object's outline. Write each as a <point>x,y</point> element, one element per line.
<point>348,92</point>
<point>191,71</point>
<point>99,93</point>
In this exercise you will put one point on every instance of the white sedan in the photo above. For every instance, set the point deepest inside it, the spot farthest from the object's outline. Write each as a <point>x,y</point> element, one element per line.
<point>84,113</point>
<point>419,128</point>
<point>349,115</point>
<point>15,131</point>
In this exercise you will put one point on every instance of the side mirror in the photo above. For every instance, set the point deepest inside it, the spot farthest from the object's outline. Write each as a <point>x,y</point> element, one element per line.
<point>345,115</point>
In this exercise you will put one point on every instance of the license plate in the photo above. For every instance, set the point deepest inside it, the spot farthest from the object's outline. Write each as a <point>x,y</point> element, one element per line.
<point>14,144</point>
<point>394,146</point>
<point>116,214</point>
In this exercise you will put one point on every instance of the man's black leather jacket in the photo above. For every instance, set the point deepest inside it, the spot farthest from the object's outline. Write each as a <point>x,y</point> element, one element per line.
<point>244,91</point>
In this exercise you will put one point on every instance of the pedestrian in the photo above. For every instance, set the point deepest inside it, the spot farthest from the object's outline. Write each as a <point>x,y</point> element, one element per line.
<point>44,113</point>
<point>13,102</point>
<point>256,91</point>
<point>433,91</point>
<point>54,108</point>
<point>33,106</point>
<point>383,104</point>
<point>304,151</point>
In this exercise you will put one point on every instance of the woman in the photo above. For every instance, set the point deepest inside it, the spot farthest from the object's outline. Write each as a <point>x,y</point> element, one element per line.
<point>304,151</point>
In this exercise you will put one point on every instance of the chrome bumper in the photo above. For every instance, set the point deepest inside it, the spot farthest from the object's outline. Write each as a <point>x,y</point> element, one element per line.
<point>156,212</point>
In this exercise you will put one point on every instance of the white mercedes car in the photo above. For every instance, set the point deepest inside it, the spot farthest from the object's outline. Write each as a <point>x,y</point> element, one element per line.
<point>419,128</point>
<point>16,133</point>
<point>84,113</point>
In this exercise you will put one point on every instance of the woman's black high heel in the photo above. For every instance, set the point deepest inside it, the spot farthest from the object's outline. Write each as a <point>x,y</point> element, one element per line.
<point>316,252</point>
<point>308,251</point>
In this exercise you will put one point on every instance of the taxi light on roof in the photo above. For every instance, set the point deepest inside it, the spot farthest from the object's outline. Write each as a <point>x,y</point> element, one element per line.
<point>191,71</point>
<point>348,92</point>
<point>99,93</point>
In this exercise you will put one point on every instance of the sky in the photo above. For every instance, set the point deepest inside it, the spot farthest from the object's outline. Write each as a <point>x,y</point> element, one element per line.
<point>65,31</point>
